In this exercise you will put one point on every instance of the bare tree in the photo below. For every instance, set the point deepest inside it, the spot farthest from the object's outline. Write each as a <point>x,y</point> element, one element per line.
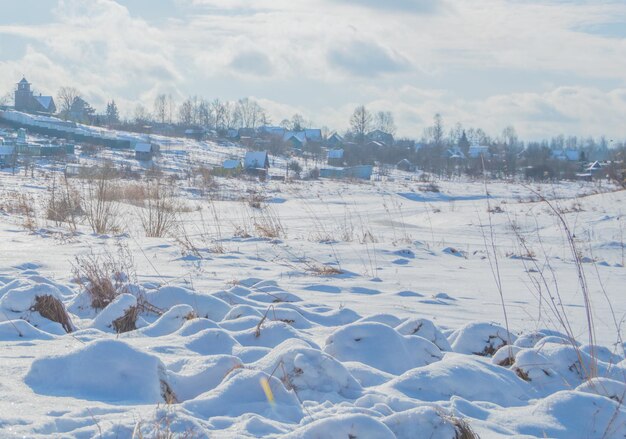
<point>185,112</point>
<point>141,114</point>
<point>6,98</point>
<point>203,113</point>
<point>509,136</point>
<point>297,122</point>
<point>160,108</point>
<point>249,114</point>
<point>218,112</point>
<point>360,122</point>
<point>436,132</point>
<point>66,97</point>
<point>385,122</point>
<point>229,115</point>
<point>171,107</point>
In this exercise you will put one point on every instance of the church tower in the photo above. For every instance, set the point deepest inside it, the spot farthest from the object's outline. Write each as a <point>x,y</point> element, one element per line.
<point>23,96</point>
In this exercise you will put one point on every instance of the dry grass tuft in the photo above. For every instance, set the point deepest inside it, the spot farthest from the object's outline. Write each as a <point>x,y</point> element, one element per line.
<point>104,276</point>
<point>168,394</point>
<point>191,316</point>
<point>520,373</point>
<point>463,430</point>
<point>51,308</point>
<point>268,225</point>
<point>128,322</point>
<point>324,270</point>
<point>158,214</point>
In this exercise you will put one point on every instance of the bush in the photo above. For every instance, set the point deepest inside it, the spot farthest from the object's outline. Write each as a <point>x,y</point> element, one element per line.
<point>101,211</point>
<point>295,167</point>
<point>158,216</point>
<point>104,276</point>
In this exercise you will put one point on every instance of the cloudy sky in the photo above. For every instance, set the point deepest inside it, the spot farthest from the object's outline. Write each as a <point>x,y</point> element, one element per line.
<point>544,66</point>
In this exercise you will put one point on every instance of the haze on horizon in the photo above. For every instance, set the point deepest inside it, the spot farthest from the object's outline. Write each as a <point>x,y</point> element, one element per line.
<point>543,66</point>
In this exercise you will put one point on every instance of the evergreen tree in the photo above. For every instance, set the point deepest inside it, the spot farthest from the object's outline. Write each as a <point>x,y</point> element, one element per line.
<point>113,115</point>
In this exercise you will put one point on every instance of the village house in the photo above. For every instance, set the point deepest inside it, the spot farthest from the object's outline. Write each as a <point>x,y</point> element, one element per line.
<point>478,151</point>
<point>26,101</point>
<point>7,154</point>
<point>145,151</point>
<point>405,165</point>
<point>256,163</point>
<point>335,157</point>
<point>334,140</point>
<point>295,139</point>
<point>380,136</point>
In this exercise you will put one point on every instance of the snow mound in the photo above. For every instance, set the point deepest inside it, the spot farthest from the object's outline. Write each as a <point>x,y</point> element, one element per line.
<point>480,339</point>
<point>113,311</point>
<point>425,329</point>
<point>426,419</point>
<point>471,378</point>
<point>385,319</point>
<point>367,376</point>
<point>309,371</point>
<point>194,326</point>
<point>612,389</point>
<point>22,297</point>
<point>19,297</point>
<point>104,370</point>
<point>554,366</point>
<point>505,355</point>
<point>270,334</point>
<point>382,347</point>
<point>567,414</point>
<point>170,321</point>
<point>602,353</point>
<point>18,330</point>
<point>204,305</point>
<point>242,392</point>
<point>337,317</point>
<point>239,311</point>
<point>211,342</point>
<point>343,426</point>
<point>200,375</point>
<point>529,340</point>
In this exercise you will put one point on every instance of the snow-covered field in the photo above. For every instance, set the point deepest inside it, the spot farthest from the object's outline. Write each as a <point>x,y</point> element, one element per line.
<point>373,311</point>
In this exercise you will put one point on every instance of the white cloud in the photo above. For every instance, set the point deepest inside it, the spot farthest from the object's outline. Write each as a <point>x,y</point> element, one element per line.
<point>323,57</point>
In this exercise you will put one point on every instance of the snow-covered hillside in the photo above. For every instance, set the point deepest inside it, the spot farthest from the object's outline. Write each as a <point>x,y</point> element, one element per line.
<point>316,309</point>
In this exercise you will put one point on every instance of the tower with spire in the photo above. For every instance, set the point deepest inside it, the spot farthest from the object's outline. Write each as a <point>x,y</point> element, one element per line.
<point>26,101</point>
<point>23,96</point>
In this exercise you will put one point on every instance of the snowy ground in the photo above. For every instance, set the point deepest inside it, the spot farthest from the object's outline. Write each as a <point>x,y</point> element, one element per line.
<point>374,313</point>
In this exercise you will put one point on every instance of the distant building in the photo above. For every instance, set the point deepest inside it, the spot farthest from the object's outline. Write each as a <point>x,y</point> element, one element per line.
<point>335,157</point>
<point>477,151</point>
<point>26,101</point>
<point>145,151</point>
<point>256,160</point>
<point>231,164</point>
<point>272,131</point>
<point>7,154</point>
<point>334,140</point>
<point>296,139</point>
<point>313,135</point>
<point>570,155</point>
<point>362,172</point>
<point>381,136</point>
<point>405,165</point>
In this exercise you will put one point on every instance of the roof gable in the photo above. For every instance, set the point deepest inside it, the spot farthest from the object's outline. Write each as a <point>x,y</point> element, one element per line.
<point>256,159</point>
